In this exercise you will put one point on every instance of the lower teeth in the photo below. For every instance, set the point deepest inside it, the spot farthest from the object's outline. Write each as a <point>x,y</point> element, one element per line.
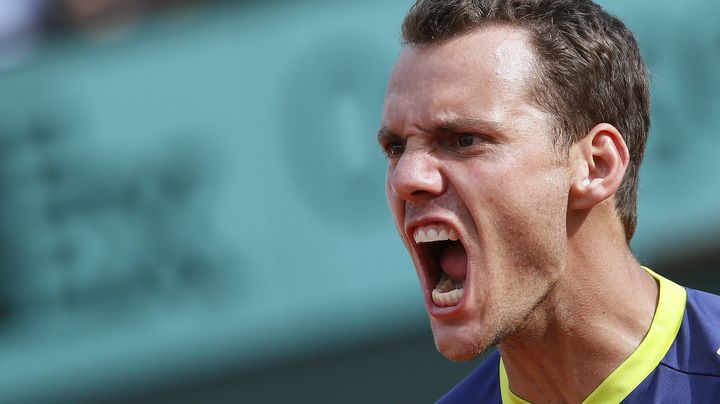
<point>447,293</point>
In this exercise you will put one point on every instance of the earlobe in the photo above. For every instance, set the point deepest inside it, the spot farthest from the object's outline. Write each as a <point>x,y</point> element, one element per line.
<point>600,160</point>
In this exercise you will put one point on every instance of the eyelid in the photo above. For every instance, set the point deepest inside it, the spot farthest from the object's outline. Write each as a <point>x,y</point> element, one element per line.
<point>480,142</point>
<point>453,137</point>
<point>388,142</point>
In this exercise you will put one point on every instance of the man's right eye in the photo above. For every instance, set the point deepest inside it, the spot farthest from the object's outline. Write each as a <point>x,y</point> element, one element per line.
<point>394,149</point>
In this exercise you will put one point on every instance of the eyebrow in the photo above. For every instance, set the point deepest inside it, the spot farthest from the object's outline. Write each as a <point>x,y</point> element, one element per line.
<point>384,135</point>
<point>464,123</point>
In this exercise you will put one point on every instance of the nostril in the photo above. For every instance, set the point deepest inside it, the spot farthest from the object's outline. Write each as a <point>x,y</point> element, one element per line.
<point>421,193</point>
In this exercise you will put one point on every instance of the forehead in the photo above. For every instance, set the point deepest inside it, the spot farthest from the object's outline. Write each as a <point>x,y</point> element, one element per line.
<point>488,70</point>
<point>500,50</point>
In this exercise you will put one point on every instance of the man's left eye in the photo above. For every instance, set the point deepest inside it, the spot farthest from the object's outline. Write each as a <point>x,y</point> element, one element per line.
<point>467,140</point>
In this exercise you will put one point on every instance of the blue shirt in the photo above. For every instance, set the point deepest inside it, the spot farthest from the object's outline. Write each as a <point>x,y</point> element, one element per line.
<point>678,361</point>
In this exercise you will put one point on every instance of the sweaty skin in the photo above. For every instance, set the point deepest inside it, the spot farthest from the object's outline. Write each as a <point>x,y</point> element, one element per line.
<point>549,275</point>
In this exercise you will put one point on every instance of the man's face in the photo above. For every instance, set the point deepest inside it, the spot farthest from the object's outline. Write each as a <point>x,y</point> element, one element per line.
<point>471,159</point>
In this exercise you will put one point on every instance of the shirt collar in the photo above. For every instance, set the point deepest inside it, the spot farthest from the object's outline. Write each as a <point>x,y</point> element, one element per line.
<point>646,357</point>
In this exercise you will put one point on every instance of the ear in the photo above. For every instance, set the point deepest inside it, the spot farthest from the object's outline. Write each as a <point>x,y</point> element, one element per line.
<point>599,163</point>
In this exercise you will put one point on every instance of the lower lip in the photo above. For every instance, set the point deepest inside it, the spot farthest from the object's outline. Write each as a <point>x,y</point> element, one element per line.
<point>443,312</point>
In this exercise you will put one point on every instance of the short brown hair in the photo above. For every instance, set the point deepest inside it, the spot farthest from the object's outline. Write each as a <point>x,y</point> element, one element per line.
<point>590,72</point>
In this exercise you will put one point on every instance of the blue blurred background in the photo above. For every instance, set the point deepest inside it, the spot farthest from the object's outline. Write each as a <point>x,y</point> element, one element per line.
<point>193,207</point>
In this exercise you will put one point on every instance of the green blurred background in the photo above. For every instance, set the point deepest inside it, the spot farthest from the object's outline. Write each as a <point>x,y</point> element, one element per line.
<point>193,207</point>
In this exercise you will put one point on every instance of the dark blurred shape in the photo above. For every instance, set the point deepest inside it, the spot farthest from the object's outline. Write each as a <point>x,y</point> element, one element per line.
<point>99,18</point>
<point>344,69</point>
<point>106,19</point>
<point>75,210</point>
<point>26,24</point>
<point>384,371</point>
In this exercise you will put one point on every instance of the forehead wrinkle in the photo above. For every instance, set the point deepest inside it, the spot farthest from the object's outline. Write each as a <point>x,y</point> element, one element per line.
<point>386,134</point>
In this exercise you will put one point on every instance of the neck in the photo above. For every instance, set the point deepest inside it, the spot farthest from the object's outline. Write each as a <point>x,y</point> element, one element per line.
<point>591,321</point>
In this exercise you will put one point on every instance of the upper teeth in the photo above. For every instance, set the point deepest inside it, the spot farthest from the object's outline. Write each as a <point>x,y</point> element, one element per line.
<point>429,234</point>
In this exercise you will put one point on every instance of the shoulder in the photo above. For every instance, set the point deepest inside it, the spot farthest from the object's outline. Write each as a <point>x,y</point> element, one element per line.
<point>480,386</point>
<point>703,308</point>
<point>691,367</point>
<point>697,345</point>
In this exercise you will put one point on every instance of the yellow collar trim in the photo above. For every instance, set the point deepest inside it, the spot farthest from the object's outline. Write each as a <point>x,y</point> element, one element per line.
<point>623,380</point>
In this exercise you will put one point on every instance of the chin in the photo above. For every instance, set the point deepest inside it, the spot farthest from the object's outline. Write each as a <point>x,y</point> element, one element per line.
<point>455,346</point>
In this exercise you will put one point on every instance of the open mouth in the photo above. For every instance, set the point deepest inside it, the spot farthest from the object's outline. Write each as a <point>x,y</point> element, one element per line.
<point>444,260</point>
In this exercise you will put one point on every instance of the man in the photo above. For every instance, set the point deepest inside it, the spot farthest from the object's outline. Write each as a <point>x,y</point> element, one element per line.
<point>514,131</point>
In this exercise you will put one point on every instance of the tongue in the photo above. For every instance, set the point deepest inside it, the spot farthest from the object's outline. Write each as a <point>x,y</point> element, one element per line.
<point>453,261</point>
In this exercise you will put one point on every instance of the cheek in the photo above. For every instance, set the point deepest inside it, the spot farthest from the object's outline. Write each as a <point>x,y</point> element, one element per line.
<point>538,203</point>
<point>522,210</point>
<point>532,227</point>
<point>534,186</point>
<point>396,205</point>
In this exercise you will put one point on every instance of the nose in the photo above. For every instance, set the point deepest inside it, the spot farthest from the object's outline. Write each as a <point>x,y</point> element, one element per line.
<point>416,177</point>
